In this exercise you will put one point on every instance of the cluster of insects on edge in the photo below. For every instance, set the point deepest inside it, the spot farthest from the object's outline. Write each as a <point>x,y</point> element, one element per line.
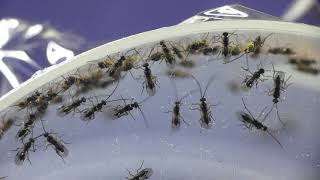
<point>112,69</point>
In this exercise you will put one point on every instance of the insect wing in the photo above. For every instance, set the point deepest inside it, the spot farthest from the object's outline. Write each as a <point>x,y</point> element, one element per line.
<point>20,157</point>
<point>151,91</point>
<point>87,115</point>
<point>205,121</point>
<point>22,133</point>
<point>245,118</point>
<point>176,121</point>
<point>281,76</point>
<point>144,174</point>
<point>63,110</point>
<point>62,151</point>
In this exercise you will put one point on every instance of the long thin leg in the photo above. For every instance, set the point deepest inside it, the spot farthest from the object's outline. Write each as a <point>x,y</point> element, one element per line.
<point>140,166</point>
<point>184,120</point>
<point>279,114</point>
<point>275,139</point>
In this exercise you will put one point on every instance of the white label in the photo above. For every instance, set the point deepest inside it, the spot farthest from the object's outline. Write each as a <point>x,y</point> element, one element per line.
<point>226,11</point>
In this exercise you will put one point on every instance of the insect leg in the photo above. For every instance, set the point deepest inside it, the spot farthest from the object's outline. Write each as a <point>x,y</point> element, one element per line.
<point>140,167</point>
<point>276,104</point>
<point>184,120</point>
<point>144,117</point>
<point>275,139</point>
<point>27,154</point>
<point>261,113</point>
<point>129,173</point>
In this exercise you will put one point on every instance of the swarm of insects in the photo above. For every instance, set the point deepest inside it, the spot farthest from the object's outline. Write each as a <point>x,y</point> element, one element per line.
<point>141,174</point>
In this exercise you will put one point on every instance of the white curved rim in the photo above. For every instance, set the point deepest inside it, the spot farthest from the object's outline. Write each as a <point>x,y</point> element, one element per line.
<point>148,37</point>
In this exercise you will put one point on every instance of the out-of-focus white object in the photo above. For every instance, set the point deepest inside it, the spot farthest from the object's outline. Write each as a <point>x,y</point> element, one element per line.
<point>298,9</point>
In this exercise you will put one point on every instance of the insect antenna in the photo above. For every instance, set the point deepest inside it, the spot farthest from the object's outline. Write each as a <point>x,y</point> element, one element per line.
<point>278,113</point>
<point>143,115</point>
<point>208,84</point>
<point>274,138</point>
<point>118,81</point>
<point>245,106</point>
<point>245,53</point>
<point>198,83</point>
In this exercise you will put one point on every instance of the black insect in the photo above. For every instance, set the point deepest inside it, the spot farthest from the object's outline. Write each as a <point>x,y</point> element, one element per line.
<point>3,177</point>
<point>253,78</point>
<point>124,110</point>
<point>249,122</point>
<point>23,132</point>
<point>177,51</point>
<point>206,120</point>
<point>280,85</point>
<point>23,152</point>
<point>29,100</point>
<point>225,43</point>
<point>67,108</point>
<point>228,48</point>
<point>68,82</point>
<point>141,175</point>
<point>28,125</point>
<point>53,96</point>
<point>89,113</point>
<point>42,108</point>
<point>55,142</point>
<point>107,63</point>
<point>57,145</point>
<point>167,54</point>
<point>176,113</point>
<point>150,81</point>
<point>115,70</point>
<point>198,46</point>
<point>155,56</point>
<point>209,51</point>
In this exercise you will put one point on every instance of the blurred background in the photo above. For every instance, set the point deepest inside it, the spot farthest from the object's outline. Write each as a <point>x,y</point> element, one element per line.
<point>37,34</point>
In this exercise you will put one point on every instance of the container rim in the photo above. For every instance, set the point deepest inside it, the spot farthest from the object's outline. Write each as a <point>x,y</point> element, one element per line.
<point>176,31</point>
